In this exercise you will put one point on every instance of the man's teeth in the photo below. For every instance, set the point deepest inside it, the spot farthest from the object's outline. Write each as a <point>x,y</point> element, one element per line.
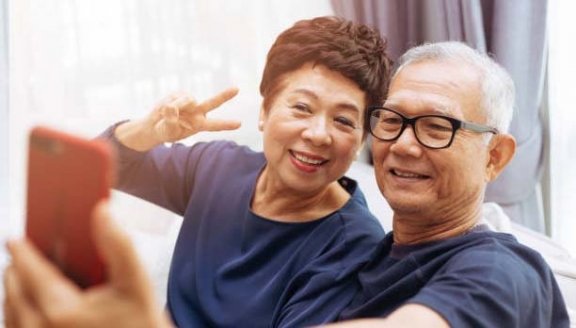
<point>308,160</point>
<point>407,174</point>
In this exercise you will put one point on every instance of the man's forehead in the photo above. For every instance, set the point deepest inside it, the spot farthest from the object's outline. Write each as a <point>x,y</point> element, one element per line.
<point>443,87</point>
<point>410,102</point>
<point>448,72</point>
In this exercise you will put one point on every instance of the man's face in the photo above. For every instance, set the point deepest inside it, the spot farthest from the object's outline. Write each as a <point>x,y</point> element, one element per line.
<point>434,182</point>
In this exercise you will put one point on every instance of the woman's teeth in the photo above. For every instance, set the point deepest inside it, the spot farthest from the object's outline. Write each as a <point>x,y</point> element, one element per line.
<point>308,160</point>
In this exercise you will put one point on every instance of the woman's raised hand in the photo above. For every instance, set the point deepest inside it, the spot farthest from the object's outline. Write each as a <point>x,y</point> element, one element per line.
<point>179,116</point>
<point>176,117</point>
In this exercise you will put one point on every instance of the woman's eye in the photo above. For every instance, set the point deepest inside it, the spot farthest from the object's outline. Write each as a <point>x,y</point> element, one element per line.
<point>345,121</point>
<point>301,107</point>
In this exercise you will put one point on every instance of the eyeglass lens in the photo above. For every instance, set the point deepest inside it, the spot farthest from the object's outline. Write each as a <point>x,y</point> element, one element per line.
<point>431,131</point>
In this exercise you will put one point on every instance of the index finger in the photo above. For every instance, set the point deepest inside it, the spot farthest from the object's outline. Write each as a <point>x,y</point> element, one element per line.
<point>217,100</point>
<point>18,312</point>
<point>40,280</point>
<point>124,267</point>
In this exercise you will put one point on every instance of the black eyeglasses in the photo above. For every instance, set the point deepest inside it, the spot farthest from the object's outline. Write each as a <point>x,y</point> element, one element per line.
<point>432,131</point>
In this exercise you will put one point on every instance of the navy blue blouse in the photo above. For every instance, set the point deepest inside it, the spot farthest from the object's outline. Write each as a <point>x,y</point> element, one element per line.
<point>233,268</point>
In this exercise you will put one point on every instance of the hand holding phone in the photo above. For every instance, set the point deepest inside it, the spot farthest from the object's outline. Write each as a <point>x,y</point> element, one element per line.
<point>67,176</point>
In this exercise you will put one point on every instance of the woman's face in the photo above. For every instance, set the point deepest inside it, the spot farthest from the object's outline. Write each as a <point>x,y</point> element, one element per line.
<point>313,128</point>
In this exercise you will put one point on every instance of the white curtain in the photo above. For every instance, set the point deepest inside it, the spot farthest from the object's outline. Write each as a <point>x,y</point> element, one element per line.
<point>3,138</point>
<point>81,65</point>
<point>562,122</point>
<point>3,118</point>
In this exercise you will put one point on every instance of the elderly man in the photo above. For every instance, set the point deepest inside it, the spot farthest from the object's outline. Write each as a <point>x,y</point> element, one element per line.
<point>439,138</point>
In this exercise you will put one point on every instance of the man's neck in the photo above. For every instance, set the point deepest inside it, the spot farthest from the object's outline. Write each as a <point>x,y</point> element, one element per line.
<point>417,228</point>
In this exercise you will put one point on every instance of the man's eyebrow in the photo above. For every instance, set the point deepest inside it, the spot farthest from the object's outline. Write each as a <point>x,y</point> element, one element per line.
<point>428,110</point>
<point>439,111</point>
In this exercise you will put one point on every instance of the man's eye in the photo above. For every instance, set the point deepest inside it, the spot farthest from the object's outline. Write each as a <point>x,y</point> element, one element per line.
<point>391,120</point>
<point>440,128</point>
<point>345,121</point>
<point>439,125</point>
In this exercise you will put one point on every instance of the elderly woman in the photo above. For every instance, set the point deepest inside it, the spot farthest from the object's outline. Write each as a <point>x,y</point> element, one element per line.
<point>268,239</point>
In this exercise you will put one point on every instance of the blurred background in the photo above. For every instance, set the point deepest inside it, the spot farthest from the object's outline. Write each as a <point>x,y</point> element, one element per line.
<point>81,65</point>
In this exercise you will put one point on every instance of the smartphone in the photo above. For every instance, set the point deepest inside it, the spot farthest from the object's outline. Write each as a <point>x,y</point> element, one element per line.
<point>67,176</point>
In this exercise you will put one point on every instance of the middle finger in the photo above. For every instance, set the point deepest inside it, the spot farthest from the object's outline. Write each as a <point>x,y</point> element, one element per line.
<point>217,100</point>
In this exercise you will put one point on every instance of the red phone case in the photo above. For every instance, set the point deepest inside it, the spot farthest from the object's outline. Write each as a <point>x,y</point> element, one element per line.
<point>67,176</point>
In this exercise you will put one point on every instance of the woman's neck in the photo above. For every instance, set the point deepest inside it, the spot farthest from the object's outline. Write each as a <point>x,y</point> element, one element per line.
<point>274,201</point>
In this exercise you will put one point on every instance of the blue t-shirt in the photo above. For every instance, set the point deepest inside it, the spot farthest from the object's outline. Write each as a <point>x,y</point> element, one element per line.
<point>480,279</point>
<point>233,268</point>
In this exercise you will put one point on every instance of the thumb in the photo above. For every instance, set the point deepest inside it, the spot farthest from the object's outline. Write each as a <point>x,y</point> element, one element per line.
<point>125,272</point>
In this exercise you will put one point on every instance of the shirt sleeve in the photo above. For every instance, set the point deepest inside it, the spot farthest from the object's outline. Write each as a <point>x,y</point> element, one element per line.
<point>486,288</point>
<point>320,300</point>
<point>328,284</point>
<point>163,175</point>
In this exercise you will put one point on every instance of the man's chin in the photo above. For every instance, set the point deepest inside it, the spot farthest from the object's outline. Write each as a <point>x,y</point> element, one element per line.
<point>401,207</point>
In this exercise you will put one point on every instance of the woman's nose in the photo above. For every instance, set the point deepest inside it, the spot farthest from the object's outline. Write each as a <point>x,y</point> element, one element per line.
<point>317,132</point>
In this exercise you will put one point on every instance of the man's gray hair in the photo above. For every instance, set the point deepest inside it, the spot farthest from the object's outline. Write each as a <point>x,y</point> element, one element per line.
<point>497,85</point>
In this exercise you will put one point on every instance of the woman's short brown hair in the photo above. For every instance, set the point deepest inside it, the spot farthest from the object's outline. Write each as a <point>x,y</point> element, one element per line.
<point>354,50</point>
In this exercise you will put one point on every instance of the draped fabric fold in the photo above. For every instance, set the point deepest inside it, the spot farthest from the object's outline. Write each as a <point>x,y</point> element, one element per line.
<point>3,114</point>
<point>4,222</point>
<point>514,33</point>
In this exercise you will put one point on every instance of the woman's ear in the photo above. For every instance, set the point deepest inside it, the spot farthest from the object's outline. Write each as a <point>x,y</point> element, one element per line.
<point>501,151</point>
<point>261,118</point>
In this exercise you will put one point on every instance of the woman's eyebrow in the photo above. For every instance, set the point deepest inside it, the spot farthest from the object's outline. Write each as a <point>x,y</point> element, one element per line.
<point>348,107</point>
<point>342,105</point>
<point>306,92</point>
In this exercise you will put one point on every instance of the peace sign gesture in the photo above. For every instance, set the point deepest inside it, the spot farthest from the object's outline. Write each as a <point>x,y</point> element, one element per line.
<point>179,116</point>
<point>176,117</point>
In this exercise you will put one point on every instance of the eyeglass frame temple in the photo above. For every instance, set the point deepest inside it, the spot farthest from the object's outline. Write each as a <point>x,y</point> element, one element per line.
<point>456,124</point>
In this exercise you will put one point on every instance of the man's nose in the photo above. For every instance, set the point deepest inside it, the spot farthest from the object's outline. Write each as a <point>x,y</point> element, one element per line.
<point>407,143</point>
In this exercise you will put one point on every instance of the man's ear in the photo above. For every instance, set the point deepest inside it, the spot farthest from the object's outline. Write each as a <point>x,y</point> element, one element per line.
<point>501,151</point>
